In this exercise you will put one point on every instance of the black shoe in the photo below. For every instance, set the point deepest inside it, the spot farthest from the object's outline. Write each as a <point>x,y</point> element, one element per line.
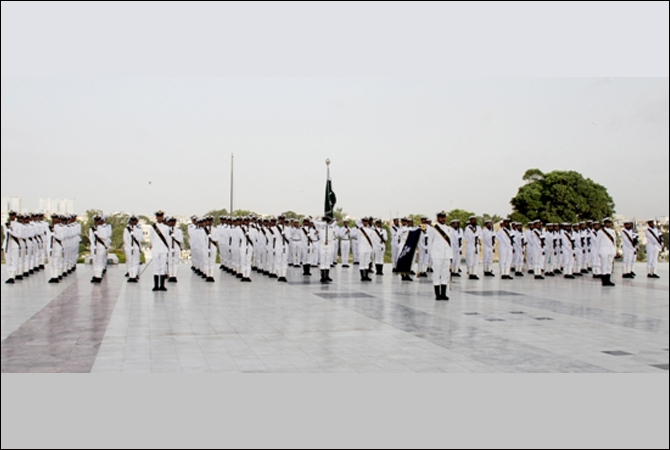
<point>406,278</point>
<point>126,275</point>
<point>274,275</point>
<point>539,277</point>
<point>132,280</point>
<point>438,295</point>
<point>558,271</point>
<point>246,280</point>
<point>569,276</point>
<point>52,280</point>
<point>584,271</point>
<point>239,275</point>
<point>172,280</point>
<point>356,263</point>
<point>443,292</point>
<point>473,277</point>
<point>430,270</point>
<point>627,275</point>
<point>634,274</point>
<point>411,272</point>
<point>156,283</point>
<point>455,275</point>
<point>607,280</point>
<point>18,277</point>
<point>530,272</point>
<point>578,274</point>
<point>380,269</point>
<point>162,279</point>
<point>518,274</point>
<point>211,279</point>
<point>282,280</point>
<point>10,281</point>
<point>654,276</point>
<point>506,277</point>
<point>345,266</point>
<point>549,274</point>
<point>489,274</point>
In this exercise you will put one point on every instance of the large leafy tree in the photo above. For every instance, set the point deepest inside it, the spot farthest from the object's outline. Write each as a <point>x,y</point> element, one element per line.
<point>560,196</point>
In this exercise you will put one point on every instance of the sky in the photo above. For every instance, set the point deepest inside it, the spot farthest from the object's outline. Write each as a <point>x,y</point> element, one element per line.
<point>397,145</point>
<point>420,106</point>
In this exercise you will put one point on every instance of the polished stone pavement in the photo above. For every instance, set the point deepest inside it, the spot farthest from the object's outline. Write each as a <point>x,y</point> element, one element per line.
<point>492,325</point>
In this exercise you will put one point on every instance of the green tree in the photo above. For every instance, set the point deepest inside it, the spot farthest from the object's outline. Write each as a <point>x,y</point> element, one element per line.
<point>292,215</point>
<point>461,215</point>
<point>217,212</point>
<point>560,196</point>
<point>493,218</point>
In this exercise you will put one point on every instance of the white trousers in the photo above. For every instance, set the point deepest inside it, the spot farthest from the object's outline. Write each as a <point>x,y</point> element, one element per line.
<point>505,260</point>
<point>345,251</point>
<point>132,262</point>
<point>471,258</point>
<point>441,271</point>
<point>99,258</point>
<point>281,260</point>
<point>12,259</point>
<point>607,263</point>
<point>629,257</point>
<point>160,263</point>
<point>652,258</point>
<point>325,253</point>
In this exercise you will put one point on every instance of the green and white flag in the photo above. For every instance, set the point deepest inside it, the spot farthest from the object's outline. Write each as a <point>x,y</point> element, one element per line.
<point>329,207</point>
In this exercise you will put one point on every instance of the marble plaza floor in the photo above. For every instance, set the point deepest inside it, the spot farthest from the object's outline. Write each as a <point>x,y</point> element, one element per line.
<point>491,325</point>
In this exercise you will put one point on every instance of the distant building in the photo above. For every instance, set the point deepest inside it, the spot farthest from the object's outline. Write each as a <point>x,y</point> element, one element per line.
<point>56,206</point>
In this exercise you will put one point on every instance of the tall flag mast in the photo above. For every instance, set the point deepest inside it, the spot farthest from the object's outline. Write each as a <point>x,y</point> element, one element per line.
<point>329,207</point>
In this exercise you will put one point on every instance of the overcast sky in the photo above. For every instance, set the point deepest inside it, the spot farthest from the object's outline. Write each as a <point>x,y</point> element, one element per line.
<point>397,145</point>
<point>452,119</point>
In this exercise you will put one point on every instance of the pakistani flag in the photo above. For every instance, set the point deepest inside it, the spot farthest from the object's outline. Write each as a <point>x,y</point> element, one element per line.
<point>329,207</point>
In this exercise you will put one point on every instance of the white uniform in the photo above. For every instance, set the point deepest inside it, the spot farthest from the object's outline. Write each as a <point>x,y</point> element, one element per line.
<point>326,236</point>
<point>344,234</point>
<point>395,230</point>
<point>472,236</point>
<point>457,245</point>
<point>488,246</point>
<point>441,251</point>
<point>365,245</point>
<point>568,246</point>
<point>132,242</point>
<point>174,258</point>
<point>98,237</point>
<point>160,248</point>
<point>379,239</point>
<point>629,242</point>
<point>282,243</point>
<point>654,247</point>
<point>536,247</point>
<point>606,247</point>
<point>505,240</point>
<point>12,248</point>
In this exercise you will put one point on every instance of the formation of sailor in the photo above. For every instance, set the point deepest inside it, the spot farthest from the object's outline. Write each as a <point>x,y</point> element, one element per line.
<point>269,246</point>
<point>132,247</point>
<point>31,242</point>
